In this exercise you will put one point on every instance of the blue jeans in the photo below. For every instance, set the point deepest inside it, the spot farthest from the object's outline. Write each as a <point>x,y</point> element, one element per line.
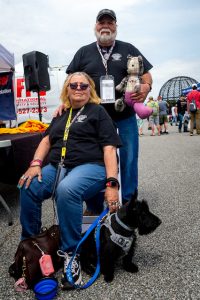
<point>128,132</point>
<point>79,184</point>
<point>180,117</point>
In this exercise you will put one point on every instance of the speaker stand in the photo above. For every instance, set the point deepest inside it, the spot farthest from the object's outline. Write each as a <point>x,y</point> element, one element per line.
<point>39,106</point>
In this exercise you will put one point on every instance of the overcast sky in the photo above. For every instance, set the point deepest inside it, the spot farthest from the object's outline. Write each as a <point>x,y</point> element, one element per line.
<point>165,31</point>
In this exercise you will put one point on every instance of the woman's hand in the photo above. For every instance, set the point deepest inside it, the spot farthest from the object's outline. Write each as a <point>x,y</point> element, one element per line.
<point>112,198</point>
<point>28,176</point>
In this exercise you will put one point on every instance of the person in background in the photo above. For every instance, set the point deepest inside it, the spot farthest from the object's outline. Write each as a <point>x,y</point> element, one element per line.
<point>181,109</point>
<point>174,115</point>
<point>140,123</point>
<point>154,117</point>
<point>84,140</point>
<point>194,116</point>
<point>163,108</point>
<point>105,60</point>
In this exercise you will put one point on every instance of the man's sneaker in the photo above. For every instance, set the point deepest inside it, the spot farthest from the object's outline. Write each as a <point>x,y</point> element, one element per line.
<point>75,271</point>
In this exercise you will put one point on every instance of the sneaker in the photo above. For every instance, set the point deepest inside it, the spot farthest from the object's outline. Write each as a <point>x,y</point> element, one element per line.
<point>75,271</point>
<point>191,134</point>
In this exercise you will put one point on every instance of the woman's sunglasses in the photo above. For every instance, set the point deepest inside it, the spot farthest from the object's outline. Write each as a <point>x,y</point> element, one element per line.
<point>82,86</point>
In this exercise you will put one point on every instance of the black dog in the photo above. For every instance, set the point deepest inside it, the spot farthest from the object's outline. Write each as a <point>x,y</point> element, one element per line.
<point>118,238</point>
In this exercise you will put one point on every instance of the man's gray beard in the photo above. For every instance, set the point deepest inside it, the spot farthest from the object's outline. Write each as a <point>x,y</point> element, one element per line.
<point>105,38</point>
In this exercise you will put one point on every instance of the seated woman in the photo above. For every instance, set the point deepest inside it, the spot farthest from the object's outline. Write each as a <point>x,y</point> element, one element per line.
<point>88,140</point>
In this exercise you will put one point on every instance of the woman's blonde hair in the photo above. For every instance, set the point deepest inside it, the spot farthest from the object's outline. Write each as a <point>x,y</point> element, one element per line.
<point>64,93</point>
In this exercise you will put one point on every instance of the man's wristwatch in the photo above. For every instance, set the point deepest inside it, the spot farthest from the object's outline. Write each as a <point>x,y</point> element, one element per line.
<point>112,182</point>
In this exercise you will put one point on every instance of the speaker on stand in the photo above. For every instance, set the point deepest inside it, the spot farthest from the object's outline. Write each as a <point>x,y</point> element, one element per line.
<point>36,74</point>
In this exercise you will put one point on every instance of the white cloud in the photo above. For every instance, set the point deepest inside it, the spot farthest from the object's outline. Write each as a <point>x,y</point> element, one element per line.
<point>164,31</point>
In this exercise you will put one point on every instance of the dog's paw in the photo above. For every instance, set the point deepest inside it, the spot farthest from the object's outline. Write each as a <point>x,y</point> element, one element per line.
<point>130,267</point>
<point>108,277</point>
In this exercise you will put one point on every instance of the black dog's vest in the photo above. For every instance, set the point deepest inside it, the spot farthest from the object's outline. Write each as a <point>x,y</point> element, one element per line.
<point>122,241</point>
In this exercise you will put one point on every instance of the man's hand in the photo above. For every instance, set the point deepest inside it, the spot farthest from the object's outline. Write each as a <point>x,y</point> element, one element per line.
<point>59,110</point>
<point>142,94</point>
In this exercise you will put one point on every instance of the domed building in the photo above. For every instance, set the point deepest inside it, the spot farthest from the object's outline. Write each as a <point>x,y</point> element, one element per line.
<point>171,90</point>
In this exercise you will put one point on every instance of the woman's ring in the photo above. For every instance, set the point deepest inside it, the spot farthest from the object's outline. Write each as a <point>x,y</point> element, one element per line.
<point>23,177</point>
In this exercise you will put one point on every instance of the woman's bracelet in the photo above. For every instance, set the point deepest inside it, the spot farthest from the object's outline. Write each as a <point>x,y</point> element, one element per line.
<point>37,160</point>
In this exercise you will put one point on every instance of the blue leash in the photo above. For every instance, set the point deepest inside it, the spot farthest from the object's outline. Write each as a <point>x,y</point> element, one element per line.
<point>96,223</point>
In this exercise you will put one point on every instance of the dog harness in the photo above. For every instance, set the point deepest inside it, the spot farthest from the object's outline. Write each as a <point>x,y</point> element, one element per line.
<point>122,241</point>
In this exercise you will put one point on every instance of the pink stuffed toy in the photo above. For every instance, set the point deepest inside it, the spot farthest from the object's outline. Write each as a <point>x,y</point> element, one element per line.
<point>131,84</point>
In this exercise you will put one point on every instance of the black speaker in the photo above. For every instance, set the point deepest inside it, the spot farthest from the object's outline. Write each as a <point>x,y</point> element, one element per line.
<point>36,71</point>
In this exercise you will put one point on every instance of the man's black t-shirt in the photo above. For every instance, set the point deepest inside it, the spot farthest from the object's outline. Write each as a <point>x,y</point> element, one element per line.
<point>88,59</point>
<point>181,106</point>
<point>91,131</point>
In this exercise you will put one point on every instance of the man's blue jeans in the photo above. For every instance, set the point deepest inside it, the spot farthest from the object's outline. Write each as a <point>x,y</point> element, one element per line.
<point>128,132</point>
<point>180,117</point>
<point>79,184</point>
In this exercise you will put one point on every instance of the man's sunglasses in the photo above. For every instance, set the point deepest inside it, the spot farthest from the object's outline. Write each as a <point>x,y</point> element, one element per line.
<point>82,86</point>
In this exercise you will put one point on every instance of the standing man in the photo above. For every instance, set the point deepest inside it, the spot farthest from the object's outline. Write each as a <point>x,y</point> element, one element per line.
<point>154,117</point>
<point>181,109</point>
<point>194,115</point>
<point>163,119</point>
<point>106,62</point>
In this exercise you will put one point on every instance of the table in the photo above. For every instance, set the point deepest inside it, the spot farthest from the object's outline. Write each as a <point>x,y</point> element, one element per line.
<point>16,152</point>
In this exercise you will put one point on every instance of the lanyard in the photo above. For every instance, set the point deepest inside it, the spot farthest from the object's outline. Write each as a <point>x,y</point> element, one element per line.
<point>66,131</point>
<point>96,224</point>
<point>105,59</point>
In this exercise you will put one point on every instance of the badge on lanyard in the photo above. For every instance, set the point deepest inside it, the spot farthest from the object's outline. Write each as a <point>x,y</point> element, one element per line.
<point>107,89</point>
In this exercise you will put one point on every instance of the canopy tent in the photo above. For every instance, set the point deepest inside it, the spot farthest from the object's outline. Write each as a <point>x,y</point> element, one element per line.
<point>189,89</point>
<point>7,103</point>
<point>6,60</point>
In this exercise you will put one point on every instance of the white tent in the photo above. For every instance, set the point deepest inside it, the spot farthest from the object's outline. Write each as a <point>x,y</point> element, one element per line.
<point>6,60</point>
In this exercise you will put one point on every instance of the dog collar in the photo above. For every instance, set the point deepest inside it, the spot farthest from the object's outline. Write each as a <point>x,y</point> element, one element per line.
<point>122,224</point>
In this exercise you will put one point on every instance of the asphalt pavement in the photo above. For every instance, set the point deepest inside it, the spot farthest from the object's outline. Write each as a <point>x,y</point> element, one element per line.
<point>168,259</point>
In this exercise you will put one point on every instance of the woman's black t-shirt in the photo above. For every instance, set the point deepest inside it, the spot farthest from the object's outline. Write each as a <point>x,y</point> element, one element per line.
<point>91,131</point>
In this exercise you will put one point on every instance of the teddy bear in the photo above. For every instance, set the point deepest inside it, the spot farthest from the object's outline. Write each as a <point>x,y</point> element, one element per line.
<point>131,84</point>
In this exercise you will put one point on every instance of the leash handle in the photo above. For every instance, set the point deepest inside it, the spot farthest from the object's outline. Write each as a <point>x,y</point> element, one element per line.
<point>97,224</point>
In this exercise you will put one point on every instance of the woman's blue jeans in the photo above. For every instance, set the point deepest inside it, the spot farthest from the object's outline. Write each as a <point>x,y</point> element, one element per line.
<point>79,184</point>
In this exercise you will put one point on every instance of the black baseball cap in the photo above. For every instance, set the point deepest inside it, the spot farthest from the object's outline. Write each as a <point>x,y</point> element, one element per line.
<point>106,12</point>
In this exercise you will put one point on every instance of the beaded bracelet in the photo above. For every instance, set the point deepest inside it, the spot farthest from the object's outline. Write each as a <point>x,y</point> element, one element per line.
<point>39,161</point>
